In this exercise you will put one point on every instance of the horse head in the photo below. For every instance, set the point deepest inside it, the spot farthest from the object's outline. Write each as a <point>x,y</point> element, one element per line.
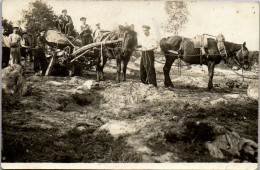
<point>243,56</point>
<point>129,37</point>
<point>239,55</point>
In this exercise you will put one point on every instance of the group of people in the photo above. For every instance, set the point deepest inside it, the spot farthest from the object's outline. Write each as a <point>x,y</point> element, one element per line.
<point>15,45</point>
<point>65,25</point>
<point>11,46</point>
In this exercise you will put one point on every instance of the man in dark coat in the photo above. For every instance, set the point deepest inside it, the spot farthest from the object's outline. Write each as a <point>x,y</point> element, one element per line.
<point>39,53</point>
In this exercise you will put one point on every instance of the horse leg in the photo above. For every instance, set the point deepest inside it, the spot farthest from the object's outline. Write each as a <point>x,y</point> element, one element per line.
<point>166,71</point>
<point>101,70</point>
<point>98,73</point>
<point>125,62</point>
<point>211,65</point>
<point>118,62</point>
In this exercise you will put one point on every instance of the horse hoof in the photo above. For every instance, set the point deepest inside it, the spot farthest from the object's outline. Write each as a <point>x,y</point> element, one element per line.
<point>210,88</point>
<point>169,85</point>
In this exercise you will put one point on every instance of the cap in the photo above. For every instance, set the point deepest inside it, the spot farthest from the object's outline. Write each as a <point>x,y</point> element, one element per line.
<point>83,18</point>
<point>42,30</point>
<point>146,26</point>
<point>64,10</point>
<point>98,24</point>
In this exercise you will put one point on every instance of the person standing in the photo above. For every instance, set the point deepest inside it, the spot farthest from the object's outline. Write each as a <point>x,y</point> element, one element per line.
<point>39,53</point>
<point>5,48</point>
<point>147,70</point>
<point>85,33</point>
<point>65,24</point>
<point>15,43</point>
<point>97,32</point>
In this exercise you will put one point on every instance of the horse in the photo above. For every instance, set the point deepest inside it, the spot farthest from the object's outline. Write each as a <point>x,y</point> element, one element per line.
<point>237,54</point>
<point>121,53</point>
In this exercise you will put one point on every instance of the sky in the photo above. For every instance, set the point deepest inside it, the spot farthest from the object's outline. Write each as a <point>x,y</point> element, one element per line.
<point>237,21</point>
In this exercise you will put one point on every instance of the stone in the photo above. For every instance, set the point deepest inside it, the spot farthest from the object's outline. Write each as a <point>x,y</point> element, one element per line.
<point>55,83</point>
<point>233,144</point>
<point>89,84</point>
<point>219,101</point>
<point>80,128</point>
<point>76,80</point>
<point>233,96</point>
<point>13,84</point>
<point>214,150</point>
<point>82,95</point>
<point>13,81</point>
<point>119,128</point>
<point>252,90</point>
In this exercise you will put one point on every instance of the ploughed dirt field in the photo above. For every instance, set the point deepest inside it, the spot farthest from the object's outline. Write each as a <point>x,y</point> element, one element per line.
<point>129,121</point>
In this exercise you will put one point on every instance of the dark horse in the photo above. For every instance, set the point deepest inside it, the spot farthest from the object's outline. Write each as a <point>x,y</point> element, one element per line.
<point>121,53</point>
<point>236,53</point>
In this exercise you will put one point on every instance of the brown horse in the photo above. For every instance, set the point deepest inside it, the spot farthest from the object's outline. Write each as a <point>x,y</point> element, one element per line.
<point>236,53</point>
<point>121,53</point>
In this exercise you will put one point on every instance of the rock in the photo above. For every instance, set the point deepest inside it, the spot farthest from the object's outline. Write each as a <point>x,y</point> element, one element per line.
<point>218,102</point>
<point>80,128</point>
<point>234,145</point>
<point>76,80</point>
<point>119,128</point>
<point>55,83</point>
<point>214,150</point>
<point>167,157</point>
<point>252,91</point>
<point>89,84</point>
<point>233,96</point>
<point>82,95</point>
<point>13,83</point>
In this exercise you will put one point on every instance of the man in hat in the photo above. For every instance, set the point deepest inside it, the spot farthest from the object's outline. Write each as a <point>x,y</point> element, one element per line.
<point>97,32</point>
<point>15,44</point>
<point>85,33</point>
<point>147,70</point>
<point>39,53</point>
<point>64,22</point>
<point>5,48</point>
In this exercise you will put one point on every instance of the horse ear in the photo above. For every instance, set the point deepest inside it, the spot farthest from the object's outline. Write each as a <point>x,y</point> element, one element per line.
<point>244,44</point>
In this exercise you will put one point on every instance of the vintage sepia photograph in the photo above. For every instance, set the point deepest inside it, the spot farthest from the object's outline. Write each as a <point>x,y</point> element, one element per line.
<point>93,81</point>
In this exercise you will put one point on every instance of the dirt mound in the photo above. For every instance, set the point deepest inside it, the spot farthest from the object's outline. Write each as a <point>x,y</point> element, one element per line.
<point>130,93</point>
<point>197,82</point>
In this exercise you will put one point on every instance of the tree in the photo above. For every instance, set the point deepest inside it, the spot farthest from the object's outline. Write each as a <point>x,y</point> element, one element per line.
<point>177,16</point>
<point>39,16</point>
<point>8,25</point>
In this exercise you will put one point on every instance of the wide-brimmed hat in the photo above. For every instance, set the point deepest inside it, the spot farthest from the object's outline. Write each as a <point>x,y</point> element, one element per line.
<point>64,10</point>
<point>83,18</point>
<point>146,26</point>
